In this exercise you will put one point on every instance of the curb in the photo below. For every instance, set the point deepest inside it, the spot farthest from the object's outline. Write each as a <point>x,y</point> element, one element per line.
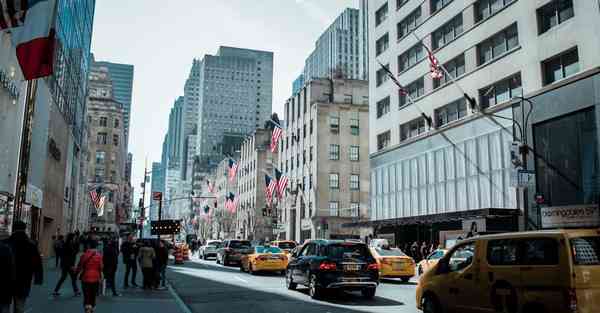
<point>184,308</point>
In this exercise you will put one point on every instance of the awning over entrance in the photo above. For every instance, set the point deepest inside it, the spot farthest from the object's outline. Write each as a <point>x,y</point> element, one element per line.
<point>438,218</point>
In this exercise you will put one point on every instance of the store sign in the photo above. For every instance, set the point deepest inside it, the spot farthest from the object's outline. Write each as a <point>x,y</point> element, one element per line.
<point>305,224</point>
<point>5,212</point>
<point>34,195</point>
<point>9,84</point>
<point>570,216</point>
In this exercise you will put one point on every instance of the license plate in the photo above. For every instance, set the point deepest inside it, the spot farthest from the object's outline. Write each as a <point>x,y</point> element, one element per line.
<point>351,267</point>
<point>397,266</point>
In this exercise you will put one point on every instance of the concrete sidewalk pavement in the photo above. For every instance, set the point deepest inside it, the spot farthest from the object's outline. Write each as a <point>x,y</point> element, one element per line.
<point>132,300</point>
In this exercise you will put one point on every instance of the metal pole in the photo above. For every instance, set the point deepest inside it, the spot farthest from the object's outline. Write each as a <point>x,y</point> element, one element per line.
<point>142,209</point>
<point>25,149</point>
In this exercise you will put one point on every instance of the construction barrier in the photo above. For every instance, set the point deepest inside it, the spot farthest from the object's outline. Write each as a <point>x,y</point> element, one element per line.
<point>186,253</point>
<point>178,254</point>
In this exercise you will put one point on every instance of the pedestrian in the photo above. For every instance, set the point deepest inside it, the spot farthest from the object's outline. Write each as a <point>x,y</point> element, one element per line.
<point>414,251</point>
<point>424,250</point>
<point>90,269</point>
<point>68,256</point>
<point>146,258</point>
<point>110,258</point>
<point>28,265</point>
<point>7,272</point>
<point>162,256</point>
<point>129,250</point>
<point>56,246</point>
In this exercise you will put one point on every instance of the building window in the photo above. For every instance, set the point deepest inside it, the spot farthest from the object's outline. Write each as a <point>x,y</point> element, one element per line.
<point>381,76</point>
<point>334,152</point>
<point>103,121</point>
<point>554,13</point>
<point>334,123</point>
<point>382,44</point>
<point>501,91</point>
<point>443,35</point>
<point>414,89</point>
<point>354,153</point>
<point>101,138</point>
<point>311,126</point>
<point>437,5</point>
<point>310,154</point>
<point>498,44</point>
<point>99,173</point>
<point>455,67</point>
<point>333,208</point>
<point>487,8</point>
<point>409,23</point>
<point>334,181</point>
<point>561,66</point>
<point>304,131</point>
<point>100,157</point>
<point>354,127</point>
<point>381,14</point>
<point>413,128</point>
<point>400,3</point>
<point>354,209</point>
<point>411,57</point>
<point>383,106</point>
<point>115,139</point>
<point>354,182</point>
<point>116,123</point>
<point>383,140</point>
<point>451,112</point>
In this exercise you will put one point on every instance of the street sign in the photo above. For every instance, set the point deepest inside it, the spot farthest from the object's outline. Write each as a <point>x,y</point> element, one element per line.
<point>526,177</point>
<point>156,195</point>
<point>572,216</point>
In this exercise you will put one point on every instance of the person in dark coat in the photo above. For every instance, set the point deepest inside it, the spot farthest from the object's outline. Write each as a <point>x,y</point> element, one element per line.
<point>162,258</point>
<point>110,258</point>
<point>28,264</point>
<point>129,250</point>
<point>67,264</point>
<point>7,272</point>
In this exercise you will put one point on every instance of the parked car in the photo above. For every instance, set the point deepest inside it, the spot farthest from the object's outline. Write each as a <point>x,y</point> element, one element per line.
<point>333,264</point>
<point>264,258</point>
<point>286,245</point>
<point>542,271</point>
<point>430,260</point>
<point>393,263</point>
<point>232,250</point>
<point>209,250</point>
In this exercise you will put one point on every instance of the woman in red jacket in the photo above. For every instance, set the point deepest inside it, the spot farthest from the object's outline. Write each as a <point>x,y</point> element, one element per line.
<point>90,269</point>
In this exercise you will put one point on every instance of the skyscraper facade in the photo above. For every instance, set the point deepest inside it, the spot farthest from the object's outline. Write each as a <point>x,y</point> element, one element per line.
<point>337,50</point>
<point>157,185</point>
<point>235,90</point>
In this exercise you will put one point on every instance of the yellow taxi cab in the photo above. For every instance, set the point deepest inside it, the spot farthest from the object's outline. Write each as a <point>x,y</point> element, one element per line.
<point>548,271</point>
<point>286,245</point>
<point>264,258</point>
<point>393,263</point>
<point>430,260</point>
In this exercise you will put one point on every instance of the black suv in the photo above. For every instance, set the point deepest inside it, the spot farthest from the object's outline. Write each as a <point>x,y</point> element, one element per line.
<point>333,264</point>
<point>232,250</point>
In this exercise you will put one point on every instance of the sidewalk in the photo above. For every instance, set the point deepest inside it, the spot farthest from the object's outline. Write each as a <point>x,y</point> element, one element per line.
<point>132,300</point>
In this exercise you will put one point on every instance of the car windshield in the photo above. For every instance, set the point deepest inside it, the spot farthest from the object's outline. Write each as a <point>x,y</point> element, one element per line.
<point>390,252</point>
<point>357,252</point>
<point>586,250</point>
<point>286,245</point>
<point>261,249</point>
<point>239,244</point>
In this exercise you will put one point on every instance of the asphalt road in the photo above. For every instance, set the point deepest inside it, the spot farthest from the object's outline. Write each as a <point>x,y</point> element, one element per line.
<point>205,286</point>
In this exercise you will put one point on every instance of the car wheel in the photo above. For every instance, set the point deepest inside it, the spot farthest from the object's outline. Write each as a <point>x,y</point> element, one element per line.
<point>368,293</point>
<point>251,269</point>
<point>205,257</point>
<point>430,305</point>
<point>405,279</point>
<point>289,281</point>
<point>225,263</point>
<point>314,290</point>
<point>242,267</point>
<point>420,270</point>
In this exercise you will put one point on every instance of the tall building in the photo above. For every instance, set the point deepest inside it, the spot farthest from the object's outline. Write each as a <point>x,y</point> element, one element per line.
<point>325,155</point>
<point>337,50</point>
<point>107,152</point>
<point>298,84</point>
<point>235,92</point>
<point>156,185</point>
<point>122,78</point>
<point>430,182</point>
<point>363,14</point>
<point>255,159</point>
<point>191,106</point>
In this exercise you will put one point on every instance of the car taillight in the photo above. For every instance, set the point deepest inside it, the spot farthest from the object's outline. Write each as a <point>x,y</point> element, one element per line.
<point>373,266</point>
<point>262,258</point>
<point>328,266</point>
<point>572,300</point>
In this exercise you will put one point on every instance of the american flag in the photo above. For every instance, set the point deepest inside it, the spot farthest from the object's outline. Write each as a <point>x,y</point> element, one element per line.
<point>434,66</point>
<point>275,136</point>
<point>282,182</point>
<point>233,166</point>
<point>231,203</point>
<point>96,197</point>
<point>270,185</point>
<point>12,13</point>
<point>211,187</point>
<point>401,89</point>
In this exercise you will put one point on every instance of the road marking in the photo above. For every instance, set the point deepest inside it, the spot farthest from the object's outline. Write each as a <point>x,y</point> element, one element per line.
<point>241,279</point>
<point>184,308</point>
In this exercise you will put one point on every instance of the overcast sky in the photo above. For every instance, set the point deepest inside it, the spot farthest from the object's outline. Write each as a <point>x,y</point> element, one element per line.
<point>161,38</point>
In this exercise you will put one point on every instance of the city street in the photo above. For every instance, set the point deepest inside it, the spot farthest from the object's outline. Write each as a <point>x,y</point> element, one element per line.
<point>205,286</point>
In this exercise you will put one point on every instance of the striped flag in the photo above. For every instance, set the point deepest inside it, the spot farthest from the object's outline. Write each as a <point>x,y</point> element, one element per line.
<point>233,166</point>
<point>211,187</point>
<point>100,207</point>
<point>270,185</point>
<point>95,196</point>
<point>275,136</point>
<point>403,91</point>
<point>282,182</point>
<point>434,65</point>
<point>231,202</point>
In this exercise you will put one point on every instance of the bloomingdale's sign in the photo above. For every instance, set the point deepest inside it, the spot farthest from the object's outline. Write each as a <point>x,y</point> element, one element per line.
<point>570,216</point>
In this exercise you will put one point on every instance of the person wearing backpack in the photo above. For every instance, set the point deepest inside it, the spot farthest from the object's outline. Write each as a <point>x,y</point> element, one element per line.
<point>90,272</point>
